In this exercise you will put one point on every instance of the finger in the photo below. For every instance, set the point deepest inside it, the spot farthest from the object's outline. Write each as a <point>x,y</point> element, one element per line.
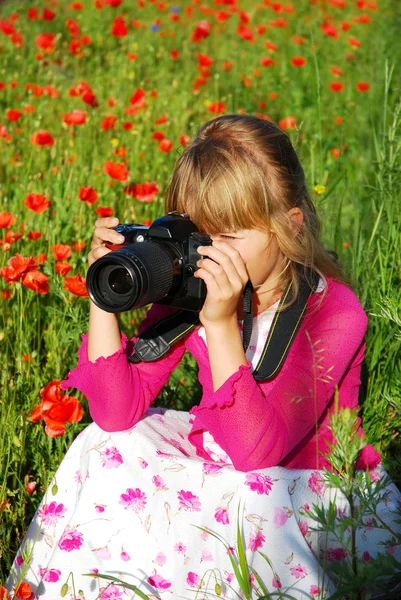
<point>210,281</point>
<point>229,258</point>
<point>107,222</point>
<point>228,287</point>
<point>97,253</point>
<point>103,234</point>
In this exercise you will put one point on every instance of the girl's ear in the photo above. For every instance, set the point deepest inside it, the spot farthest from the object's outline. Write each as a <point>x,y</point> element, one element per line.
<point>296,217</point>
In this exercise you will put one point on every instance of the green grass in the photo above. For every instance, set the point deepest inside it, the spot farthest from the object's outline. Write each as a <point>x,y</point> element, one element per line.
<point>359,209</point>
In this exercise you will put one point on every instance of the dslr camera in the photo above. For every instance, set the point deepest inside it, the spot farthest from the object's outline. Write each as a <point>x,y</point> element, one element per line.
<point>155,264</point>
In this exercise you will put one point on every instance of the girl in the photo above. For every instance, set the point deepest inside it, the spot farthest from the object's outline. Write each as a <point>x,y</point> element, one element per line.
<point>139,487</point>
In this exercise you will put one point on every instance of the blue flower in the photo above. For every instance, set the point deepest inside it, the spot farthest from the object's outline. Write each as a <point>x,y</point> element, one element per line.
<point>175,9</point>
<point>154,27</point>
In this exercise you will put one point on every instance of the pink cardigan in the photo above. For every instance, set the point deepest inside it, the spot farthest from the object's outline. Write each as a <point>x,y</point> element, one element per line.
<point>283,421</point>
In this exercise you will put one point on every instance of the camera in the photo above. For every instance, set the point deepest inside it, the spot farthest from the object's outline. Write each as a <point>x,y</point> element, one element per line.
<point>155,264</point>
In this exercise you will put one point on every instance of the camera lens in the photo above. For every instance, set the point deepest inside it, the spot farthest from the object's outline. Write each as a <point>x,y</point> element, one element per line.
<point>120,281</point>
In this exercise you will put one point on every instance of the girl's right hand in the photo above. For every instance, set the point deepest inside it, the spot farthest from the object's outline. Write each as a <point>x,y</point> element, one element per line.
<point>102,234</point>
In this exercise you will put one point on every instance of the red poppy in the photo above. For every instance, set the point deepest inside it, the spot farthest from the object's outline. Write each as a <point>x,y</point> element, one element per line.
<point>119,27</point>
<point>287,123</point>
<point>166,145</point>
<point>267,61</point>
<point>79,246</point>
<point>109,122</point>
<point>158,135</point>
<point>6,219</point>
<point>298,61</point>
<point>104,211</point>
<point>217,107</point>
<point>4,595</point>
<point>336,86</point>
<point>17,267</point>
<point>45,41</point>
<point>12,237</point>
<point>144,192</point>
<point>30,487</point>
<point>34,235</point>
<point>116,170</point>
<point>61,251</point>
<point>48,15</point>
<point>42,138</point>
<point>13,114</point>
<point>56,409</point>
<point>353,41</point>
<point>76,117</point>
<point>76,285</point>
<point>138,98</point>
<point>63,268</point>
<point>88,194</point>
<point>73,27</point>
<point>36,281</point>
<point>363,86</point>
<point>23,591</point>
<point>37,202</point>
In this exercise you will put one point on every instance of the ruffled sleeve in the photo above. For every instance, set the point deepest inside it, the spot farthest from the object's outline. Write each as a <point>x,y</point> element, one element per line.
<point>118,391</point>
<point>258,424</point>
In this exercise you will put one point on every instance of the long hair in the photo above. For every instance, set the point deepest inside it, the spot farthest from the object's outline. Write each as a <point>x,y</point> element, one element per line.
<point>242,172</point>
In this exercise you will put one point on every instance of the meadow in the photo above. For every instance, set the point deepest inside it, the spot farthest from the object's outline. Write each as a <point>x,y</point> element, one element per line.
<point>98,98</point>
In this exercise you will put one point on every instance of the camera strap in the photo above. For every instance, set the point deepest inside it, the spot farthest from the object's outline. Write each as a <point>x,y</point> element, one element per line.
<point>156,341</point>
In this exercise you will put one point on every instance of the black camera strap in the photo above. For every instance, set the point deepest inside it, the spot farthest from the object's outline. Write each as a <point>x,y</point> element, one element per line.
<point>156,341</point>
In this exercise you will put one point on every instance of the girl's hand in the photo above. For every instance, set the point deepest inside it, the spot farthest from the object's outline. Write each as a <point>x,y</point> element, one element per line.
<point>101,235</point>
<point>225,279</point>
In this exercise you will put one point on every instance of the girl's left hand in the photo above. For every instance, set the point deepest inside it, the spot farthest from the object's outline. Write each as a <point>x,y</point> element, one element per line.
<point>225,279</point>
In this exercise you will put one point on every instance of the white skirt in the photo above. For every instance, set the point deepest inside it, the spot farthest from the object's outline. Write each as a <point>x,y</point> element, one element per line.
<point>139,505</point>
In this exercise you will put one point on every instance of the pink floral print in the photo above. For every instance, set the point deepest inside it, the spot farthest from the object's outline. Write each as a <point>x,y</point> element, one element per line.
<point>188,501</point>
<point>257,539</point>
<point>71,539</point>
<point>316,483</point>
<point>111,458</point>
<point>158,582</point>
<point>221,516</point>
<point>262,484</point>
<point>50,575</point>
<point>51,513</point>
<point>133,500</point>
<point>298,571</point>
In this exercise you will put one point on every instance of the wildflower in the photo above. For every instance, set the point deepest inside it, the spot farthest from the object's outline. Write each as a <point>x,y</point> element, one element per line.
<point>42,138</point>
<point>88,194</point>
<point>76,285</point>
<point>319,189</point>
<point>61,251</point>
<point>298,61</point>
<point>37,202</point>
<point>36,281</point>
<point>56,409</point>
<point>18,266</point>
<point>144,192</point>
<point>104,211</point>
<point>116,170</point>
<point>6,219</point>
<point>76,117</point>
<point>24,591</point>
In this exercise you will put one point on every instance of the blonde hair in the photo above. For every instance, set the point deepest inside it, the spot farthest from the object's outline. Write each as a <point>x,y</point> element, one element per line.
<point>242,172</point>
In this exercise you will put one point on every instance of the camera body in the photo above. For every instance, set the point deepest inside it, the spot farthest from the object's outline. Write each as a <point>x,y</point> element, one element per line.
<point>155,264</point>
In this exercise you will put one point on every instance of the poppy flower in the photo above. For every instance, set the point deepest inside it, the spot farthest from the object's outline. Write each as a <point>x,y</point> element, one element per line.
<point>88,194</point>
<point>56,409</point>
<point>336,86</point>
<point>23,591</point>
<point>287,123</point>
<point>109,122</point>
<point>76,285</point>
<point>119,27</point>
<point>34,235</point>
<point>267,61</point>
<point>37,202</point>
<point>104,211</point>
<point>138,98</point>
<point>78,246</point>
<point>18,266</point>
<point>6,219</point>
<point>13,114</point>
<point>363,86</point>
<point>298,61</point>
<point>166,145</point>
<point>116,170</point>
<point>36,281</point>
<point>73,28</point>
<point>63,268</point>
<point>61,251</point>
<point>45,41</point>
<point>76,117</point>
<point>42,138</point>
<point>201,31</point>
<point>144,192</point>
<point>217,107</point>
